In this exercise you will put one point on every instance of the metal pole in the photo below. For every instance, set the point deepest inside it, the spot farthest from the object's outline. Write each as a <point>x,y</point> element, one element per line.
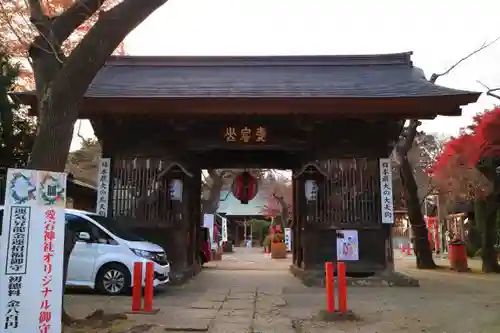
<point>251,233</point>
<point>245,230</point>
<point>440,225</point>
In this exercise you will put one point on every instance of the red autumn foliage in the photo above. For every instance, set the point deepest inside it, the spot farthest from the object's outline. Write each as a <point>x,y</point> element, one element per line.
<point>17,32</point>
<point>455,168</point>
<point>273,206</point>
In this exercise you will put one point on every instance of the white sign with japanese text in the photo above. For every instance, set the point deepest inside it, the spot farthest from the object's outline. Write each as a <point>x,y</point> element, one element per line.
<point>103,179</point>
<point>208,222</point>
<point>386,200</point>
<point>311,189</point>
<point>31,272</point>
<point>176,189</point>
<point>224,229</point>
<point>288,239</point>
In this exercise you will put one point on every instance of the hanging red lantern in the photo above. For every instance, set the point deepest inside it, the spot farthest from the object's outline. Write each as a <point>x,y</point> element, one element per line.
<point>245,187</point>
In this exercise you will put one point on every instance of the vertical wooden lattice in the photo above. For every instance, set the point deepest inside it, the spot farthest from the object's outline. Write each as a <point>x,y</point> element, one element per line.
<point>141,190</point>
<point>350,196</point>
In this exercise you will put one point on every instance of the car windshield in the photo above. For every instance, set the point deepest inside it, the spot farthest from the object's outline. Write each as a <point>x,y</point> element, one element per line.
<point>114,227</point>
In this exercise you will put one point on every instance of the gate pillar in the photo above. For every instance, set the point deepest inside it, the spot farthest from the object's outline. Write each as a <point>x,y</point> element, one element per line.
<point>307,197</point>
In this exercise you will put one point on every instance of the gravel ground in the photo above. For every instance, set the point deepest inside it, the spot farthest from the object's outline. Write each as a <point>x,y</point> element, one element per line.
<point>446,301</point>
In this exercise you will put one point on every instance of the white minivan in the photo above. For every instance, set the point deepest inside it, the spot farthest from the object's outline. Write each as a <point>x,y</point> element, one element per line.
<point>104,255</point>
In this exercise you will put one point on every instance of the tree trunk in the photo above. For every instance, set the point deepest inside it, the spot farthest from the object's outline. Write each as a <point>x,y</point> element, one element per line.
<point>489,236</point>
<point>55,124</point>
<point>52,127</point>
<point>284,210</point>
<point>211,205</point>
<point>419,228</point>
<point>488,166</point>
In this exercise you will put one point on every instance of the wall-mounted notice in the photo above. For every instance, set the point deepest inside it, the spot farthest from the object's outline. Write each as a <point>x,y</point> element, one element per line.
<point>103,180</point>
<point>31,271</point>
<point>386,201</point>
<point>347,245</point>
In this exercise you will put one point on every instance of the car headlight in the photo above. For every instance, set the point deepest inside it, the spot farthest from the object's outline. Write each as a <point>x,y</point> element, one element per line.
<point>143,254</point>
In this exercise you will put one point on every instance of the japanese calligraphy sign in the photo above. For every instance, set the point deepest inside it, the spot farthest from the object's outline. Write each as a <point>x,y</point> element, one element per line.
<point>246,134</point>
<point>224,230</point>
<point>31,272</point>
<point>386,191</point>
<point>311,189</point>
<point>103,180</point>
<point>288,239</point>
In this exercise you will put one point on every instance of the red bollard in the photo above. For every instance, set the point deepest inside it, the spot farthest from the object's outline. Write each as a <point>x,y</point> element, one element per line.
<point>342,285</point>
<point>403,249</point>
<point>148,289</point>
<point>408,250</point>
<point>137,287</point>
<point>330,299</point>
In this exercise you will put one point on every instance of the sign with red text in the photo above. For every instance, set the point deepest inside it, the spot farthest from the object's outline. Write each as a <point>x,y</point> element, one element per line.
<point>31,271</point>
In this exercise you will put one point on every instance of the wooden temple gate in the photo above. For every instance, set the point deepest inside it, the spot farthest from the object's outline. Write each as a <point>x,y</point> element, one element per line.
<point>330,119</point>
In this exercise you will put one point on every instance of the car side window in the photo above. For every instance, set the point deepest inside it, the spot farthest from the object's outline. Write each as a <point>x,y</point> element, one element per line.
<point>78,224</point>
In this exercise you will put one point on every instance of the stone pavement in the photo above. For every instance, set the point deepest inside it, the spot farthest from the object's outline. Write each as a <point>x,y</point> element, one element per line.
<point>249,292</point>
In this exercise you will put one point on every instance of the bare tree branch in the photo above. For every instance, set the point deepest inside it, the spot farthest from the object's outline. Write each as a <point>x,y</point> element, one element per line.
<point>430,188</point>
<point>485,45</point>
<point>491,91</point>
<point>36,11</point>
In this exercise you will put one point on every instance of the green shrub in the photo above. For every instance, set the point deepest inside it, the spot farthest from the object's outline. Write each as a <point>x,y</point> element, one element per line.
<point>479,252</point>
<point>471,250</point>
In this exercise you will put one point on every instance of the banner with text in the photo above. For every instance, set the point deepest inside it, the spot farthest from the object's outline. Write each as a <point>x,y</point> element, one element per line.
<point>288,239</point>
<point>208,222</point>
<point>224,229</point>
<point>386,200</point>
<point>31,272</point>
<point>103,180</point>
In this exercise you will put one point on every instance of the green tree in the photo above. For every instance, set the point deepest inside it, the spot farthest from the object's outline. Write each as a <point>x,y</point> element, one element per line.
<point>17,130</point>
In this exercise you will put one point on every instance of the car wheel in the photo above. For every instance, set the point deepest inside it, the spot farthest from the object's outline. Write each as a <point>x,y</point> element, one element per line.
<point>113,279</point>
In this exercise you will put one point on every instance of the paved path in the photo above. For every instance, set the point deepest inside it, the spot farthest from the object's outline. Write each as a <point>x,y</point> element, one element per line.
<point>249,292</point>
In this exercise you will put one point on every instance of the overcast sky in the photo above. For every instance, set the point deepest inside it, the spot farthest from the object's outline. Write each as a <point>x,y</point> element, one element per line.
<point>438,32</point>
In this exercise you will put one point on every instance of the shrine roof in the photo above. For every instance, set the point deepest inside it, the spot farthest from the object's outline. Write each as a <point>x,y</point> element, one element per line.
<point>233,207</point>
<point>359,76</point>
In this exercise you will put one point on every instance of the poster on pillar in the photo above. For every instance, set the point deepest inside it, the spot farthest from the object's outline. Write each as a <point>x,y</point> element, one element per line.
<point>386,199</point>
<point>208,222</point>
<point>347,245</point>
<point>32,244</point>
<point>103,179</point>
<point>288,239</point>
<point>224,229</point>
